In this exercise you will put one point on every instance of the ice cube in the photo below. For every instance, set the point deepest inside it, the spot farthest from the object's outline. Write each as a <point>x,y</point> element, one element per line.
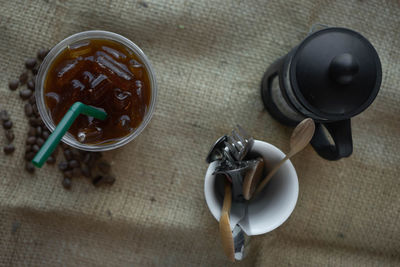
<point>90,134</point>
<point>88,76</point>
<point>124,123</point>
<point>99,88</point>
<point>116,54</point>
<point>79,49</point>
<point>76,84</point>
<point>136,68</point>
<point>107,62</point>
<point>121,100</point>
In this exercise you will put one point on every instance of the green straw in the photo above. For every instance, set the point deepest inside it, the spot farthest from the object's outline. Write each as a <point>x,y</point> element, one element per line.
<point>51,143</point>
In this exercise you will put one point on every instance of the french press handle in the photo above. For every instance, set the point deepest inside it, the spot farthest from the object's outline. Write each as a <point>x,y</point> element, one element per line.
<point>340,131</point>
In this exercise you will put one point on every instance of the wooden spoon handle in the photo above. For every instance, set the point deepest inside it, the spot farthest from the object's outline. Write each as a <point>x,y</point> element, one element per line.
<point>225,226</point>
<point>270,175</point>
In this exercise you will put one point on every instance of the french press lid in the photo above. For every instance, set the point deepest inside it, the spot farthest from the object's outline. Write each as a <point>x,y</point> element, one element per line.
<point>335,73</point>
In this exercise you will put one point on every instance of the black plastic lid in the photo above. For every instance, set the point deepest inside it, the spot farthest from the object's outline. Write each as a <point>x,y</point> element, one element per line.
<point>335,73</point>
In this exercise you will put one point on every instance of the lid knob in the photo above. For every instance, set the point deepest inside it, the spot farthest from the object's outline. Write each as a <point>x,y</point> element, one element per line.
<point>343,68</point>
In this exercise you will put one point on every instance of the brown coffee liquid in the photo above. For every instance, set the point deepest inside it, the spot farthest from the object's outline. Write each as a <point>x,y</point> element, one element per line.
<point>104,74</point>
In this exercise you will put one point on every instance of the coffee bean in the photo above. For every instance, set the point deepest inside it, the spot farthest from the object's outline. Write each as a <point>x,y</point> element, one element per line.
<point>29,167</point>
<point>68,154</point>
<point>31,140</point>
<point>35,69</point>
<point>76,172</point>
<point>40,141</point>
<point>34,121</point>
<point>25,94</point>
<point>29,155</point>
<point>28,109</point>
<point>66,183</point>
<point>87,158</point>
<point>38,131</point>
<point>7,124</point>
<point>63,166</point>
<point>64,146</point>
<point>35,110</point>
<point>8,149</point>
<point>31,84</point>
<point>73,164</point>
<point>85,171</point>
<point>75,154</point>
<point>68,174</point>
<point>35,148</point>
<point>106,179</point>
<point>30,63</point>
<point>4,115</point>
<point>23,78</point>
<point>45,134</point>
<point>32,99</point>
<point>13,85</point>
<point>32,131</point>
<point>51,160</point>
<point>42,53</point>
<point>10,135</point>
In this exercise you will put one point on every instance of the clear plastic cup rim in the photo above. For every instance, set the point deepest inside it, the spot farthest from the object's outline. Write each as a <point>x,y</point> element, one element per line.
<point>56,50</point>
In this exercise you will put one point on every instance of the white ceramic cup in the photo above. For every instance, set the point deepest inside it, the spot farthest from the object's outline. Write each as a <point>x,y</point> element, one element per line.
<point>271,207</point>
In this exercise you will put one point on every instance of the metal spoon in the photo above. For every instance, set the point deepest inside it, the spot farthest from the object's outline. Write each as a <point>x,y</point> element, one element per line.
<point>300,138</point>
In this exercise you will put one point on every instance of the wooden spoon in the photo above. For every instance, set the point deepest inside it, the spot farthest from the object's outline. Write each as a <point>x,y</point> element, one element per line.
<point>224,224</point>
<point>252,178</point>
<point>300,138</point>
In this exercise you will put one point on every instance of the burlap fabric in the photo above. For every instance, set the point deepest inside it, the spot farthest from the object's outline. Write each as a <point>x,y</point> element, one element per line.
<point>209,57</point>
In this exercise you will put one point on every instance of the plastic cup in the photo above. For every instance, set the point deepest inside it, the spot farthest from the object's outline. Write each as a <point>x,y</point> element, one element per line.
<point>52,55</point>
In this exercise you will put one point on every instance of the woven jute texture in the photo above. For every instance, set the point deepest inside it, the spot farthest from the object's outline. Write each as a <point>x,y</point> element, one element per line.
<point>209,58</point>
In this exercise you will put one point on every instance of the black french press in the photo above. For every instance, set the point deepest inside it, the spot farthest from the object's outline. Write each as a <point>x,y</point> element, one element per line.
<point>333,75</point>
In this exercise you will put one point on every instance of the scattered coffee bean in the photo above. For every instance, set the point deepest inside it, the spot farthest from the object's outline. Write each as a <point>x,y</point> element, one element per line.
<point>63,166</point>
<point>7,125</point>
<point>40,141</point>
<point>10,135</point>
<point>51,160</point>
<point>73,164</point>
<point>29,167</point>
<point>30,63</point>
<point>34,121</point>
<point>38,131</point>
<point>66,183</point>
<point>25,94</point>
<point>42,53</point>
<point>35,110</point>
<point>86,171</point>
<point>28,109</point>
<point>32,99</point>
<point>31,140</point>
<point>64,146</point>
<point>76,155</point>
<point>29,155</point>
<point>106,179</point>
<point>35,148</point>
<point>104,167</point>
<point>32,131</point>
<point>8,149</point>
<point>76,172</point>
<point>68,174</point>
<point>13,85</point>
<point>31,84</point>
<point>45,134</point>
<point>35,69</point>
<point>23,78</point>
<point>28,148</point>
<point>4,115</point>
<point>68,154</point>
<point>87,158</point>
